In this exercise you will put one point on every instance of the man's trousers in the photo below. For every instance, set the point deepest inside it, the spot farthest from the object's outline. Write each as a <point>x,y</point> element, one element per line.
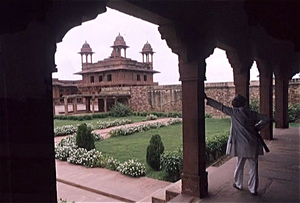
<point>253,172</point>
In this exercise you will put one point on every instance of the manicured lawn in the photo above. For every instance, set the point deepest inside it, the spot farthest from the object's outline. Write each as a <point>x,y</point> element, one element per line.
<point>134,146</point>
<point>58,123</point>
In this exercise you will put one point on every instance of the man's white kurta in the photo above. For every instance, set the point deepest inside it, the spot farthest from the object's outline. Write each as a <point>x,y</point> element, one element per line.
<point>243,140</point>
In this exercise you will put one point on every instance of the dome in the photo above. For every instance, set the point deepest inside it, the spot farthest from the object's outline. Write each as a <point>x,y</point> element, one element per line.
<point>119,41</point>
<point>147,48</point>
<point>86,47</point>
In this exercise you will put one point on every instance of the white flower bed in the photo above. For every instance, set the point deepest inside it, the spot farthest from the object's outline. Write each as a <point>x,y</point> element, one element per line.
<point>86,158</point>
<point>127,130</point>
<point>117,122</point>
<point>151,117</point>
<point>71,129</point>
<point>67,150</point>
<point>65,130</point>
<point>173,121</point>
<point>132,168</point>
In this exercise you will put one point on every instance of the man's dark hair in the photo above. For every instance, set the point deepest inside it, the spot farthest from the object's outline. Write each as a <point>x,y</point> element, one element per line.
<point>238,101</point>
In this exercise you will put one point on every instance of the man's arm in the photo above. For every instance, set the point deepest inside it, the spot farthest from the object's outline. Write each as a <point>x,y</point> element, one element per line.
<point>217,105</point>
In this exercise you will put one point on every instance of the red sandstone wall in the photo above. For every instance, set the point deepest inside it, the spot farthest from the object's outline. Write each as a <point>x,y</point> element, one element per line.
<point>139,98</point>
<point>169,97</point>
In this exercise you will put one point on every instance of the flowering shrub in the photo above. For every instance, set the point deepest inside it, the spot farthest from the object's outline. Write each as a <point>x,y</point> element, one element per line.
<point>173,121</point>
<point>132,168</point>
<point>172,163</point>
<point>127,130</point>
<point>117,122</point>
<point>151,117</point>
<point>65,130</point>
<point>86,158</point>
<point>112,163</point>
<point>65,147</point>
<point>97,136</point>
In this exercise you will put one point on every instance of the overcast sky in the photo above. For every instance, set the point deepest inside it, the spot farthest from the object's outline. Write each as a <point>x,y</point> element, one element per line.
<point>100,34</point>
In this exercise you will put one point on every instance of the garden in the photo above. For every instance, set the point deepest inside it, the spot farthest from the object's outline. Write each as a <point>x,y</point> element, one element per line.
<point>153,150</point>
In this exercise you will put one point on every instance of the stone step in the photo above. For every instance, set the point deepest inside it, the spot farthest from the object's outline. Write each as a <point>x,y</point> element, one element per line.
<point>173,190</point>
<point>159,197</point>
<point>167,193</point>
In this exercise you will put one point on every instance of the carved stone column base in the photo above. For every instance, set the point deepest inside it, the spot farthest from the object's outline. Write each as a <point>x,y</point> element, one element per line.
<point>196,186</point>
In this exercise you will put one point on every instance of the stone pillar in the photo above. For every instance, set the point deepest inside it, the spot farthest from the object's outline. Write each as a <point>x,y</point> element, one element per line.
<point>266,96</point>
<point>192,51</point>
<point>27,164</point>
<point>99,105</point>
<point>66,105</point>
<point>281,101</point>
<point>105,104</point>
<point>194,177</point>
<point>93,105</point>
<point>87,104</point>
<point>75,105</point>
<point>241,83</point>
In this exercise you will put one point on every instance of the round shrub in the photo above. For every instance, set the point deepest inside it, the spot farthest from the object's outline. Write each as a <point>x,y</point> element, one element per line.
<point>154,150</point>
<point>84,137</point>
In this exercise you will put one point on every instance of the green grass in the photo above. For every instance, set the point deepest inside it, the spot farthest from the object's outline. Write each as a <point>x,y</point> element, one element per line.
<point>59,123</point>
<point>134,146</point>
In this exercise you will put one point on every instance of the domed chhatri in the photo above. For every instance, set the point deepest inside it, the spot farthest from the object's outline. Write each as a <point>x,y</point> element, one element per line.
<point>146,52</point>
<point>87,51</point>
<point>119,41</point>
<point>119,44</point>
<point>86,48</point>
<point>147,48</point>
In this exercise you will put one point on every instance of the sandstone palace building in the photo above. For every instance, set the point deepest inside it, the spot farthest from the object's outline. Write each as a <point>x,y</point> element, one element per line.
<point>121,79</point>
<point>104,82</point>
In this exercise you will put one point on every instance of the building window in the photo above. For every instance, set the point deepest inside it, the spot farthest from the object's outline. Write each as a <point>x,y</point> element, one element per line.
<point>138,77</point>
<point>109,77</point>
<point>92,79</point>
<point>100,78</point>
<point>145,77</point>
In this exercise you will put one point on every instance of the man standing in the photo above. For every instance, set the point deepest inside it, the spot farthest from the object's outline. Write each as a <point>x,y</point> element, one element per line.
<point>243,141</point>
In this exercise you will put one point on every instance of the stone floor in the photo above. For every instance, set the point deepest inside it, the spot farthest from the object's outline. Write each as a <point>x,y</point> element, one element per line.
<point>278,175</point>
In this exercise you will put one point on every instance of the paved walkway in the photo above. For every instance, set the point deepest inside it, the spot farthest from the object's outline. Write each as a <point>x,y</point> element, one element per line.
<point>278,175</point>
<point>279,179</point>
